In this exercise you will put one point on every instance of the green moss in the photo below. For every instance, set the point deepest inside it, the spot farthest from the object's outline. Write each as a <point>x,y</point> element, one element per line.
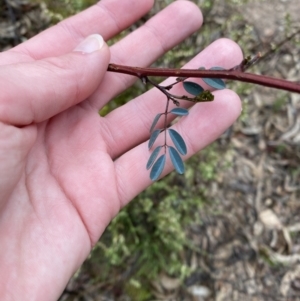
<point>152,229</point>
<point>68,7</point>
<point>137,291</point>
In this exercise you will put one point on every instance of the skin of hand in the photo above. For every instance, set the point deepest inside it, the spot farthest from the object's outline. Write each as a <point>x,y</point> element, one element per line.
<point>65,171</point>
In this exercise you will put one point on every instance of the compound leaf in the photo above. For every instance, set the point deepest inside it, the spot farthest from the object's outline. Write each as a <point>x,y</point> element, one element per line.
<point>178,141</point>
<point>153,157</point>
<point>158,167</point>
<point>179,111</point>
<point>192,88</point>
<point>153,137</point>
<point>176,160</point>
<point>155,120</point>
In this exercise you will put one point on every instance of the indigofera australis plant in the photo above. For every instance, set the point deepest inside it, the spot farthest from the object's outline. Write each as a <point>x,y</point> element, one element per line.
<point>214,77</point>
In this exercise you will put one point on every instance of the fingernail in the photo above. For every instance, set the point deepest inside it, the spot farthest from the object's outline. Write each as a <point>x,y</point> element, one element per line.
<point>90,44</point>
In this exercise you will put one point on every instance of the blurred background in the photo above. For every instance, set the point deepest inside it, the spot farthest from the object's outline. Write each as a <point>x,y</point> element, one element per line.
<point>229,228</point>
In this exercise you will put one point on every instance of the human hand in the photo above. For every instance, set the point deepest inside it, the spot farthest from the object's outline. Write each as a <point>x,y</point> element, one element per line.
<point>65,171</point>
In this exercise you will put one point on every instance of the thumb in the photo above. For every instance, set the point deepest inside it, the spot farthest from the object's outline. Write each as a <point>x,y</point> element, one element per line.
<point>36,91</point>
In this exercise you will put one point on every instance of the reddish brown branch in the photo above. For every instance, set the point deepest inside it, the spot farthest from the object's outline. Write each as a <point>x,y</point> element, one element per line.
<point>233,74</point>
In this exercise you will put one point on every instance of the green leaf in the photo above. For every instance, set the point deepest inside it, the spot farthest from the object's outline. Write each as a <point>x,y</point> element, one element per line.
<point>178,141</point>
<point>192,88</point>
<point>158,167</point>
<point>176,160</point>
<point>155,120</point>
<point>179,111</point>
<point>153,137</point>
<point>215,83</point>
<point>153,157</point>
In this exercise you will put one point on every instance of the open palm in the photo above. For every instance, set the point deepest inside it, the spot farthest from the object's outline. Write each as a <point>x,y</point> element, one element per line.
<point>65,171</point>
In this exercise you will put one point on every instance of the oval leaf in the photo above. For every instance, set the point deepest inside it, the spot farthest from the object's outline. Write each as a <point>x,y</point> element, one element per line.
<point>176,160</point>
<point>155,120</point>
<point>153,157</point>
<point>217,68</point>
<point>192,88</point>
<point>179,111</point>
<point>158,167</point>
<point>178,141</point>
<point>153,137</point>
<point>215,83</point>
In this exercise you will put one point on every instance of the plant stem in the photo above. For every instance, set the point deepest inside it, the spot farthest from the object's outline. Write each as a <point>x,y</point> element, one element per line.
<point>233,74</point>
<point>166,122</point>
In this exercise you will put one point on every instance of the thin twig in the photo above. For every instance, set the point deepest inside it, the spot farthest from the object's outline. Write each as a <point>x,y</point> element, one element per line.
<point>272,50</point>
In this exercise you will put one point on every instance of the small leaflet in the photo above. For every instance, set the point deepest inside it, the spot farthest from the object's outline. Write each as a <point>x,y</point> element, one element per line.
<point>178,141</point>
<point>217,68</point>
<point>158,167</point>
<point>176,160</point>
<point>153,137</point>
<point>155,120</point>
<point>179,111</point>
<point>192,88</point>
<point>215,83</point>
<point>153,157</point>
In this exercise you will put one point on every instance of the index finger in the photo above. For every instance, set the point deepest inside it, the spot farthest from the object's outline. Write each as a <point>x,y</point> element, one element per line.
<point>107,18</point>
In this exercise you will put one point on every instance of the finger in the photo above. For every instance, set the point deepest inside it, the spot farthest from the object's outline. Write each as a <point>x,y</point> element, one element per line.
<point>107,17</point>
<point>203,125</point>
<point>142,47</point>
<point>137,115</point>
<point>14,147</point>
<point>34,92</point>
